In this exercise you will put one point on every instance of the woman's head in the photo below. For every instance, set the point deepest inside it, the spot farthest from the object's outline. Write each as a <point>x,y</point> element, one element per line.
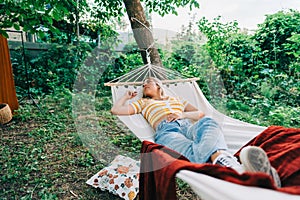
<point>152,87</point>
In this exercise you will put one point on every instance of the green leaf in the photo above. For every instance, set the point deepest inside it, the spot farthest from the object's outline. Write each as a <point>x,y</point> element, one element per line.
<point>3,33</point>
<point>17,27</point>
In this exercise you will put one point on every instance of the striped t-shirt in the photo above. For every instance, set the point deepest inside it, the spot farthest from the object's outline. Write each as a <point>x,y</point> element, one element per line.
<point>153,110</point>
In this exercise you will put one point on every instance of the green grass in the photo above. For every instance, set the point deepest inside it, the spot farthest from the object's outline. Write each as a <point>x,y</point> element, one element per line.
<point>43,156</point>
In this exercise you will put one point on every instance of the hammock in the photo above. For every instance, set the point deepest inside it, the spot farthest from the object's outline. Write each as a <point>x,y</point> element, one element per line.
<point>236,132</point>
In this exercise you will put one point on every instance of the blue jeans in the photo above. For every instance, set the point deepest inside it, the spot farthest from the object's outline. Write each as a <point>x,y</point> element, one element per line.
<point>197,141</point>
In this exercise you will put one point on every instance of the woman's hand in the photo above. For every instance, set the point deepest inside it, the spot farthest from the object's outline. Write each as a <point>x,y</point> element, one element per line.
<point>130,94</point>
<point>121,108</point>
<point>173,117</point>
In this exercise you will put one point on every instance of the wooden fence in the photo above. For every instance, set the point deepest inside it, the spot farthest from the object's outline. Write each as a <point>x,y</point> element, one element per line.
<point>31,49</point>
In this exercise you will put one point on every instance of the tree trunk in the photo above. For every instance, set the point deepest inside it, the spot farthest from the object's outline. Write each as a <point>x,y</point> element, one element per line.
<point>77,21</point>
<point>142,35</point>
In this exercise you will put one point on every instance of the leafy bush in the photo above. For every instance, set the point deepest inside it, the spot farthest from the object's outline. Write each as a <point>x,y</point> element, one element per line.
<point>259,70</point>
<point>55,68</point>
<point>275,33</point>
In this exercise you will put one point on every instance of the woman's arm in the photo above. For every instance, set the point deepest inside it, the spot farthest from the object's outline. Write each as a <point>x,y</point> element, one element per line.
<point>190,112</point>
<point>193,115</point>
<point>119,107</point>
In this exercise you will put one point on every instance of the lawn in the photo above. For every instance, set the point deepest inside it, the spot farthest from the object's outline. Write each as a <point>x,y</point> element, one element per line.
<point>44,156</point>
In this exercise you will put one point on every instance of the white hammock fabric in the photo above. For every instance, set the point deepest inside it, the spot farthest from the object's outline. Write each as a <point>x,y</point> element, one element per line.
<point>236,132</point>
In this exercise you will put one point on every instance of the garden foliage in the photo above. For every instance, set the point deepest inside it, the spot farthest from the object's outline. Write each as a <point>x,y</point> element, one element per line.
<point>255,76</point>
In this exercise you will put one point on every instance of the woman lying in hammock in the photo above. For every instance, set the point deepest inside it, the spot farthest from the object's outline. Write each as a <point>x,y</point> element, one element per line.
<point>183,128</point>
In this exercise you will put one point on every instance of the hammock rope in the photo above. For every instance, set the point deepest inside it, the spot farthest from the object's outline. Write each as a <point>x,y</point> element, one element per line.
<point>136,76</point>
